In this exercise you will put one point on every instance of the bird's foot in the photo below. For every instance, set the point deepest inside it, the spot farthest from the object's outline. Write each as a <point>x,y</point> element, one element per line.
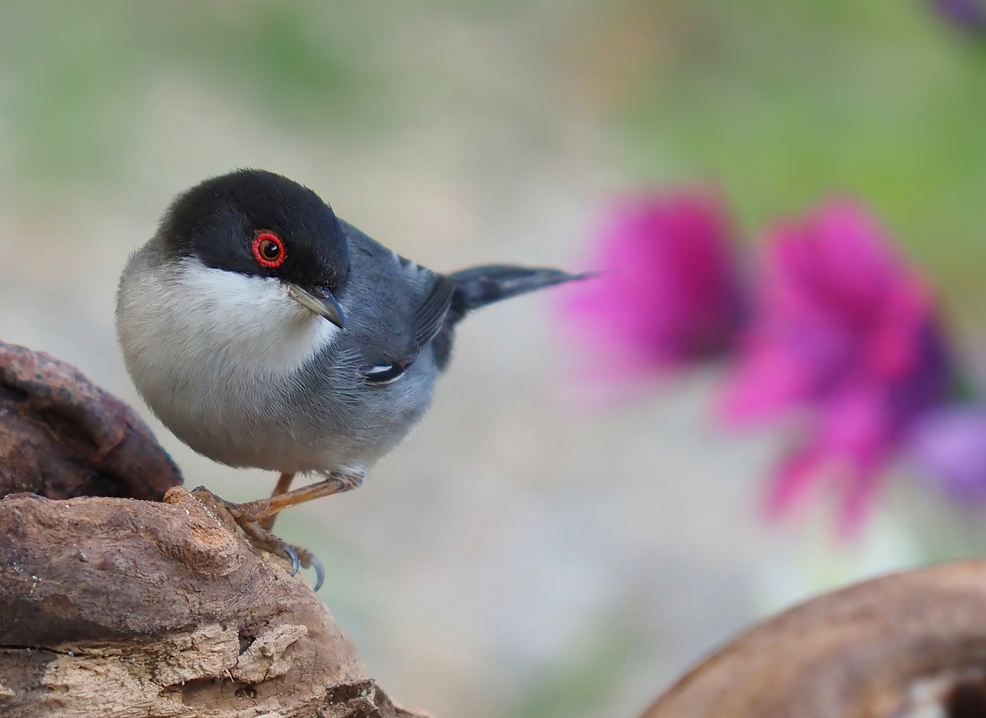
<point>263,510</point>
<point>263,539</point>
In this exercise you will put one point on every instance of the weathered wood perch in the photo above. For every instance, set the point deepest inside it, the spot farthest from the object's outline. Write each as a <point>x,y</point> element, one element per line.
<point>61,436</point>
<point>114,606</point>
<point>121,595</point>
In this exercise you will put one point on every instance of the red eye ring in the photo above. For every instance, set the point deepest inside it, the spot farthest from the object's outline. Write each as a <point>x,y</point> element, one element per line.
<point>268,249</point>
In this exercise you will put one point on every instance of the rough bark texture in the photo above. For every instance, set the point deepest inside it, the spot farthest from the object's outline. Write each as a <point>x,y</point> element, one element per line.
<point>910,645</point>
<point>62,436</point>
<point>118,607</point>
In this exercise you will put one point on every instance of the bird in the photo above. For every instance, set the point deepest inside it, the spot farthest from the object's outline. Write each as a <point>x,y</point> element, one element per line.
<point>266,332</point>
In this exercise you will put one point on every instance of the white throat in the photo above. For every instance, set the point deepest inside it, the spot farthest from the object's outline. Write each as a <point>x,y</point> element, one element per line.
<point>198,316</point>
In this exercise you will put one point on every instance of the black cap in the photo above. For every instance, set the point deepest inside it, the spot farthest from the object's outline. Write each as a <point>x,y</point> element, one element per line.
<point>259,223</point>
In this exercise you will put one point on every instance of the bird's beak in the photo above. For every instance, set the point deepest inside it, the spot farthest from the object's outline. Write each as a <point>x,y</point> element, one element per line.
<point>323,304</point>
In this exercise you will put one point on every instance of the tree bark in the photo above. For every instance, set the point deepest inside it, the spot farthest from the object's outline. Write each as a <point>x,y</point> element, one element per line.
<point>62,436</point>
<point>145,600</point>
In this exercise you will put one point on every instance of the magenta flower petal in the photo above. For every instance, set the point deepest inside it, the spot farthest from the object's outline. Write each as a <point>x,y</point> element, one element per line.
<point>668,294</point>
<point>769,380</point>
<point>845,336</point>
<point>949,446</point>
<point>793,480</point>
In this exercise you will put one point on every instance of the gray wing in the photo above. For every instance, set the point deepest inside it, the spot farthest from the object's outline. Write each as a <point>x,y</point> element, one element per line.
<point>401,307</point>
<point>431,312</point>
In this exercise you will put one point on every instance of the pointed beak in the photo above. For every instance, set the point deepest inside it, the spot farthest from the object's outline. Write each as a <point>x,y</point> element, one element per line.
<point>324,304</point>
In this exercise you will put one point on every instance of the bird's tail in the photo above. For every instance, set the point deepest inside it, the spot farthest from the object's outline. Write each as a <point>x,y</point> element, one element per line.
<point>478,286</point>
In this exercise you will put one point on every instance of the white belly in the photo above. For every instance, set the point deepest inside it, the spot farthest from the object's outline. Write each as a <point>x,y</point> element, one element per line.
<point>214,361</point>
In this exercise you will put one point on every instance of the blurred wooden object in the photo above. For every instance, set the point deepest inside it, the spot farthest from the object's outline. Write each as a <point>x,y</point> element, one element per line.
<point>908,645</point>
<point>114,606</point>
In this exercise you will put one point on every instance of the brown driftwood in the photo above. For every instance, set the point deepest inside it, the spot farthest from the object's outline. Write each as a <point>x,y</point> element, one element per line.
<point>909,645</point>
<point>114,606</point>
<point>61,436</point>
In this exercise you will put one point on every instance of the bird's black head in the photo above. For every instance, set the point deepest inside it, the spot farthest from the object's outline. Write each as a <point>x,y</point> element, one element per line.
<point>259,223</point>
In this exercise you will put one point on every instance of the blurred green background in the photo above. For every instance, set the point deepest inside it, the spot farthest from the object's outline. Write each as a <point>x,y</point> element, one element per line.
<point>777,102</point>
<point>480,572</point>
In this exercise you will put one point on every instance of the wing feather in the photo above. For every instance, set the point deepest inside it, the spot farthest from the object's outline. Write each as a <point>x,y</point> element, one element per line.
<point>430,313</point>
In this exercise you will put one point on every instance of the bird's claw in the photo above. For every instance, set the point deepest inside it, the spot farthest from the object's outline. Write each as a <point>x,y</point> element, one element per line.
<point>298,557</point>
<point>292,556</point>
<point>319,574</point>
<point>310,560</point>
<point>319,571</point>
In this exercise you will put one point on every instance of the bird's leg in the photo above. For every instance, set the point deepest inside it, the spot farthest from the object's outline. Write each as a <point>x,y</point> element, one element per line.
<point>263,539</point>
<point>252,516</point>
<point>283,486</point>
<point>255,511</point>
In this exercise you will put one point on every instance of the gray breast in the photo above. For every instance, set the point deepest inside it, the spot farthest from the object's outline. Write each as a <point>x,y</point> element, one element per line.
<point>332,406</point>
<point>355,422</point>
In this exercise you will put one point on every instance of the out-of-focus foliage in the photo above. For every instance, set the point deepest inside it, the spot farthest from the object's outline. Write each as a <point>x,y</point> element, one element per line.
<point>75,76</point>
<point>784,102</point>
<point>579,683</point>
<point>778,102</point>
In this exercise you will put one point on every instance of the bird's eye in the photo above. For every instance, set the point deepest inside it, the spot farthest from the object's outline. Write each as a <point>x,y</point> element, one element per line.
<point>268,249</point>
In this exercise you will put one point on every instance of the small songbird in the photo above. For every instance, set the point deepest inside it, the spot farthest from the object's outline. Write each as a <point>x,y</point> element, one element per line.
<point>266,332</point>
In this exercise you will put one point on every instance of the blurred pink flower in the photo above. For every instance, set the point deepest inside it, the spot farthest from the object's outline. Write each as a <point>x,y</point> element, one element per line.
<point>949,446</point>
<point>668,293</point>
<point>846,334</point>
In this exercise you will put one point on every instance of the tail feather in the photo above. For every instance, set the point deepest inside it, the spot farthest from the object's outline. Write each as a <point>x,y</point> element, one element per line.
<point>478,286</point>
